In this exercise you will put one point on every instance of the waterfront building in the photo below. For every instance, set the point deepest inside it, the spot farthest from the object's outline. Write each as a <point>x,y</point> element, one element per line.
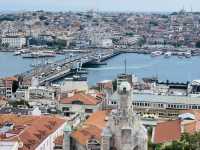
<point>195,88</point>
<point>6,86</point>
<point>158,105</point>
<point>29,132</point>
<point>14,41</point>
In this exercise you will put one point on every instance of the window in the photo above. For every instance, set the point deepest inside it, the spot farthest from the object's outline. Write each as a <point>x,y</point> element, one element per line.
<point>89,110</point>
<point>77,102</point>
<point>65,109</point>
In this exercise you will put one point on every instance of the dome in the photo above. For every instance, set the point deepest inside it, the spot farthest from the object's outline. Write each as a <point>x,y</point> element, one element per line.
<point>124,86</point>
<point>186,116</point>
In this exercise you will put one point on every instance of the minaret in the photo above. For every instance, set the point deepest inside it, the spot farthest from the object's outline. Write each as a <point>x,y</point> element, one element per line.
<point>66,140</point>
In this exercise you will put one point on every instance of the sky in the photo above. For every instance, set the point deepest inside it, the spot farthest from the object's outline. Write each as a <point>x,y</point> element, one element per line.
<point>100,5</point>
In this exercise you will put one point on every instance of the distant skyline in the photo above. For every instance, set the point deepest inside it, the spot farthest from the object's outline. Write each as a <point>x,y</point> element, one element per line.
<point>100,5</point>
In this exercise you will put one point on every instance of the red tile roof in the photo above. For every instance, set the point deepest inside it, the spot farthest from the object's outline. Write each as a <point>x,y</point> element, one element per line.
<point>80,97</point>
<point>190,127</point>
<point>30,130</point>
<point>167,131</point>
<point>91,128</point>
<point>10,79</point>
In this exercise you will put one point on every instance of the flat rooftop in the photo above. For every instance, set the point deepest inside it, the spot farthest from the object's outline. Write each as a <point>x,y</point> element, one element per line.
<point>166,99</point>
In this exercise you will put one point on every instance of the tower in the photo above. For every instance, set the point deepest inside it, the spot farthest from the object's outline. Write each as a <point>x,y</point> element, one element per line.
<point>66,140</point>
<point>127,131</point>
<point>106,139</point>
<point>124,91</point>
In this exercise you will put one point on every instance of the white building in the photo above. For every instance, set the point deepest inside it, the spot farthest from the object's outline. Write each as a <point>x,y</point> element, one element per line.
<point>107,43</point>
<point>79,103</point>
<point>70,85</point>
<point>14,41</point>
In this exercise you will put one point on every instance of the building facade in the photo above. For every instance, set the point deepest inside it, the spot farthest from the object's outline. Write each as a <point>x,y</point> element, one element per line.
<point>14,41</point>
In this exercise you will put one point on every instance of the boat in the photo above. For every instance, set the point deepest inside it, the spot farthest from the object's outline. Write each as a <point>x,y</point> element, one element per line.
<point>168,54</point>
<point>76,78</point>
<point>30,55</point>
<point>188,55</point>
<point>35,65</point>
<point>156,53</point>
<point>16,53</point>
<point>82,71</point>
<point>38,55</point>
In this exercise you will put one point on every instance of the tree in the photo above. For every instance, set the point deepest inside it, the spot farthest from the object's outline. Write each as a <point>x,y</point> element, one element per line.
<point>187,142</point>
<point>15,86</point>
<point>17,103</point>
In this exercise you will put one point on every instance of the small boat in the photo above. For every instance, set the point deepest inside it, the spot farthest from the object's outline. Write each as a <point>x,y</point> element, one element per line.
<point>16,53</point>
<point>156,53</point>
<point>168,54</point>
<point>35,65</point>
<point>30,55</point>
<point>82,71</point>
<point>188,55</point>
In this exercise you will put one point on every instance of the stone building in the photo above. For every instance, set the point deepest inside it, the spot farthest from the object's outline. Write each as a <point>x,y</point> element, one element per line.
<point>119,129</point>
<point>124,130</point>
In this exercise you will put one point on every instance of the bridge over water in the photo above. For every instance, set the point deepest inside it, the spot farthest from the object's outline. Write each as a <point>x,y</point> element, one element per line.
<point>59,69</point>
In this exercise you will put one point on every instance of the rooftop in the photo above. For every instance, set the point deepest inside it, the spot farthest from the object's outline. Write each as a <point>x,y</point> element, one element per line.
<point>166,99</point>
<point>30,130</point>
<point>91,128</point>
<point>80,98</point>
<point>167,131</point>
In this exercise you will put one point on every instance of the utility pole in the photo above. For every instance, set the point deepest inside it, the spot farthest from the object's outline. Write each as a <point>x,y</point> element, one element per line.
<point>125,66</point>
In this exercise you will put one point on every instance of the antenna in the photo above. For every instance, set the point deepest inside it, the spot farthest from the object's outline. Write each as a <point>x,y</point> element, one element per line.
<point>125,66</point>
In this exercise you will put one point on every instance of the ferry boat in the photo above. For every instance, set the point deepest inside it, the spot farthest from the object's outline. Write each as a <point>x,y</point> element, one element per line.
<point>30,55</point>
<point>39,55</point>
<point>168,54</point>
<point>156,53</point>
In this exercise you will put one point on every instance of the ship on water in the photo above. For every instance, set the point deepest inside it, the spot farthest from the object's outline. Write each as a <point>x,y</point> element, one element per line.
<point>168,54</point>
<point>39,54</point>
<point>156,53</point>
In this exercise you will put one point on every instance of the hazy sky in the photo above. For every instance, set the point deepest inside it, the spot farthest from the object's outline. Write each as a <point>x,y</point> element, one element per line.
<point>105,5</point>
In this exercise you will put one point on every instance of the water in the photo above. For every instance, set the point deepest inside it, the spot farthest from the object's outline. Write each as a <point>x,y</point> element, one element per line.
<point>173,69</point>
<point>11,65</point>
